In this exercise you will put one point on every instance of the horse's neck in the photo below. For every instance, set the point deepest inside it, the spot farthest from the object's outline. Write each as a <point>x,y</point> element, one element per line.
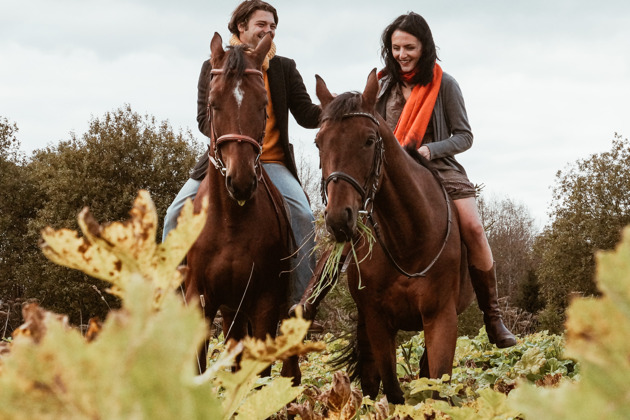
<point>220,200</point>
<point>407,201</point>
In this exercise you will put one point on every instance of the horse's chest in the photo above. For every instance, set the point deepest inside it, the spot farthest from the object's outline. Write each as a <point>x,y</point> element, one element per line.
<point>237,246</point>
<point>387,293</point>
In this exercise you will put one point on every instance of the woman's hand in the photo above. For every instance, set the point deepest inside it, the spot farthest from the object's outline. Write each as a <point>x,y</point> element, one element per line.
<point>425,152</point>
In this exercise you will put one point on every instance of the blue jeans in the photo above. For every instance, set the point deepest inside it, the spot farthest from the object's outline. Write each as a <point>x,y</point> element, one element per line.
<point>300,217</point>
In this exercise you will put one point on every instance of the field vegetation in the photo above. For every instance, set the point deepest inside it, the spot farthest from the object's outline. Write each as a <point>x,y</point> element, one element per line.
<point>563,290</point>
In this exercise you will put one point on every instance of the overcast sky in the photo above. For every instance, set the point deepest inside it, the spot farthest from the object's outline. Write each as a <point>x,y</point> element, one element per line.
<point>545,82</point>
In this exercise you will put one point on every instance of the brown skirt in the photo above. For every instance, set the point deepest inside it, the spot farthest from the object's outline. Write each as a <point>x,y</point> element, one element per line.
<point>457,184</point>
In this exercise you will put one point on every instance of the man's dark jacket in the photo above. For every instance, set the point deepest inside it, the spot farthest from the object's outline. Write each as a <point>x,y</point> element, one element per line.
<point>288,93</point>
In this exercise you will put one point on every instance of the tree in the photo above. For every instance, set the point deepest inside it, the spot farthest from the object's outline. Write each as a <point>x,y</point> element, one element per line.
<point>310,178</point>
<point>511,232</point>
<point>10,174</point>
<point>529,298</point>
<point>591,206</point>
<point>9,144</point>
<point>120,153</point>
<point>18,204</point>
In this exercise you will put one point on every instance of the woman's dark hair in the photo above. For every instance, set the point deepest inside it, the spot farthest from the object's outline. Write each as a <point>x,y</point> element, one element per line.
<point>244,11</point>
<point>414,24</point>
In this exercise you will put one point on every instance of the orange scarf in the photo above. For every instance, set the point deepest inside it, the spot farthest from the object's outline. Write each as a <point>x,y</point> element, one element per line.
<point>234,41</point>
<point>416,114</point>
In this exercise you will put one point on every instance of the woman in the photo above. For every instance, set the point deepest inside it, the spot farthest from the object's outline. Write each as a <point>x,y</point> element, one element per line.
<point>425,108</point>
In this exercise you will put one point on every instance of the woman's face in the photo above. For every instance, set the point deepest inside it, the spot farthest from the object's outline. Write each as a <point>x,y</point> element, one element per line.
<point>406,50</point>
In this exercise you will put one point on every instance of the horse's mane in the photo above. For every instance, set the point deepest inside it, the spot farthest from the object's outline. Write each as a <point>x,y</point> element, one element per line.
<point>341,105</point>
<point>413,152</point>
<point>235,64</point>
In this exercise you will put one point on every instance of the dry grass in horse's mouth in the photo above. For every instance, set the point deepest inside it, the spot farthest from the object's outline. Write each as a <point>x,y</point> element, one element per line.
<point>338,258</point>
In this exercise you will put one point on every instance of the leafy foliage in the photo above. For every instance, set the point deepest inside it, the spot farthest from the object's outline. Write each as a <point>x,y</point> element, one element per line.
<point>341,401</point>
<point>129,370</point>
<point>478,365</point>
<point>16,208</point>
<point>597,332</point>
<point>510,231</point>
<point>591,206</point>
<point>134,372</point>
<point>120,153</point>
<point>121,250</point>
<point>529,298</point>
<point>9,144</point>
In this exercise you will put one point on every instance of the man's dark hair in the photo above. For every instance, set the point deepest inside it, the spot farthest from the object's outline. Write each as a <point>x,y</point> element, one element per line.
<point>414,24</point>
<point>244,11</point>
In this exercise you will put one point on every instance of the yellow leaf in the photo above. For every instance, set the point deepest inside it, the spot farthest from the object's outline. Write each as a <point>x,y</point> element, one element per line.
<point>117,252</point>
<point>597,336</point>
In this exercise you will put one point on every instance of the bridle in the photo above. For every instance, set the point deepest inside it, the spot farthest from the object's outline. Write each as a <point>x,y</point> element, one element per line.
<point>368,192</point>
<point>216,141</point>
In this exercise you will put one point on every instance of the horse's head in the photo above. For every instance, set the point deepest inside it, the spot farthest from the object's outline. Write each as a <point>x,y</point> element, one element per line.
<point>237,102</point>
<point>351,155</point>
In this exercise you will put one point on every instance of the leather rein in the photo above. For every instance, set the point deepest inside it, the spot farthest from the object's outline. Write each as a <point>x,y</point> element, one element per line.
<point>240,138</point>
<point>368,191</point>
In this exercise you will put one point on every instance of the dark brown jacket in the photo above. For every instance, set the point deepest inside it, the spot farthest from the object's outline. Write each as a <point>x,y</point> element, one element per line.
<point>288,93</point>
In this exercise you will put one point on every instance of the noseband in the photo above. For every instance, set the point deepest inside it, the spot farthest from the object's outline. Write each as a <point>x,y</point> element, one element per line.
<point>366,191</point>
<point>240,138</point>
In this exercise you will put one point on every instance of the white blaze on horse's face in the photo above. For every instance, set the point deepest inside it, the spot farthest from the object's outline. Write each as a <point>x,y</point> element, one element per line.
<point>238,93</point>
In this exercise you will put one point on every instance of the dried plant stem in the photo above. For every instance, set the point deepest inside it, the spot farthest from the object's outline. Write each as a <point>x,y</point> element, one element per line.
<point>331,270</point>
<point>6,323</point>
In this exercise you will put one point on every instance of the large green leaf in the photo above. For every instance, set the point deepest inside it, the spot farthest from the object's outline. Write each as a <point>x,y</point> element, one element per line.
<point>597,336</point>
<point>140,365</point>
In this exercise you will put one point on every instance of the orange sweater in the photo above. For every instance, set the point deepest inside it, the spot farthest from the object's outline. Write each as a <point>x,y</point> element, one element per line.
<point>272,149</point>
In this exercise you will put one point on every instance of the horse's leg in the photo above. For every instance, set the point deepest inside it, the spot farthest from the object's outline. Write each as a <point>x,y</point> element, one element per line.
<point>424,364</point>
<point>265,323</point>
<point>234,324</point>
<point>209,311</point>
<point>383,344</point>
<point>194,294</point>
<point>291,369</point>
<point>366,367</point>
<point>235,328</point>
<point>440,332</point>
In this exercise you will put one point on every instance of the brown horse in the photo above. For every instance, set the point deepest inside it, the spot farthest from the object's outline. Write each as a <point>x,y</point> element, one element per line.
<point>416,277</point>
<point>239,262</point>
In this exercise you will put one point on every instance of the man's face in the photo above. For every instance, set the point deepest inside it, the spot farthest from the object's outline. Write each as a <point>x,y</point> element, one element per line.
<point>260,23</point>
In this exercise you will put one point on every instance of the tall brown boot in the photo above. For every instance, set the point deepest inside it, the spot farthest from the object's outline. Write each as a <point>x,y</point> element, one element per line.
<point>485,285</point>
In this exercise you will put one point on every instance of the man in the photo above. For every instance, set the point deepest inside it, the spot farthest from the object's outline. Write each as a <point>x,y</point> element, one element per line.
<point>250,22</point>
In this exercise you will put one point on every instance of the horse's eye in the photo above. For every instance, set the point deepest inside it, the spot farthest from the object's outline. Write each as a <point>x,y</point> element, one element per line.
<point>370,141</point>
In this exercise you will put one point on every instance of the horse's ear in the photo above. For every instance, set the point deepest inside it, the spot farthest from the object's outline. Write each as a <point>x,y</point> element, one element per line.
<point>261,50</point>
<point>216,49</point>
<point>371,90</point>
<point>322,91</point>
